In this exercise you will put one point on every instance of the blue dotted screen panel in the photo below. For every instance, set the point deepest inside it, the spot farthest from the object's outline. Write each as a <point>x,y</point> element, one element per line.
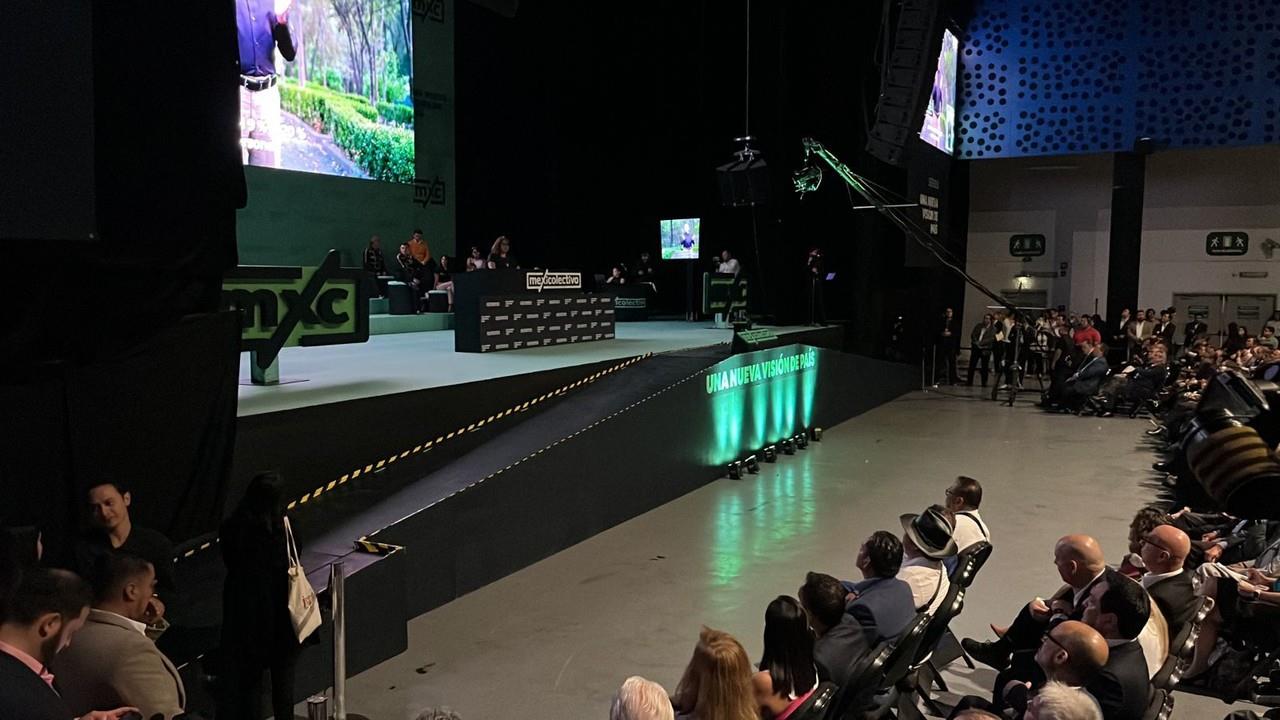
<point>1054,77</point>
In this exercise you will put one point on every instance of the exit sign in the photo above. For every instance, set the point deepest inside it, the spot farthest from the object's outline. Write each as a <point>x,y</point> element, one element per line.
<point>1220,244</point>
<point>1026,245</point>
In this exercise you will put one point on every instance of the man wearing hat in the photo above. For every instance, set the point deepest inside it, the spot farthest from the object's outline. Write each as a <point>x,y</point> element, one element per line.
<point>926,542</point>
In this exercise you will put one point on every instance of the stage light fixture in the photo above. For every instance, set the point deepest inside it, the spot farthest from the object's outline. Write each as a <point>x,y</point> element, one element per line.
<point>735,470</point>
<point>802,441</point>
<point>752,465</point>
<point>788,447</point>
<point>770,453</point>
<point>815,434</point>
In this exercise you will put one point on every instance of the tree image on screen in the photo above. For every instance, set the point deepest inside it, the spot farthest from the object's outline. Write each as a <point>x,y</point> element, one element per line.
<point>326,86</point>
<point>939,128</point>
<point>679,238</point>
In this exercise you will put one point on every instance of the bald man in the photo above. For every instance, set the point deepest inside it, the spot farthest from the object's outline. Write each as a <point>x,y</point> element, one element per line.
<point>1071,653</point>
<point>1164,552</point>
<point>1081,565</point>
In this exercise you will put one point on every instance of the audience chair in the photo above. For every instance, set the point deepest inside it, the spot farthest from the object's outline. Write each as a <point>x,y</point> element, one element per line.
<point>818,703</point>
<point>878,672</point>
<point>921,673</point>
<point>1181,652</point>
<point>948,650</point>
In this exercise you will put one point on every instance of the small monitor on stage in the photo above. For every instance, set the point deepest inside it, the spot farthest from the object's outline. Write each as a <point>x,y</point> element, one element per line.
<point>680,238</point>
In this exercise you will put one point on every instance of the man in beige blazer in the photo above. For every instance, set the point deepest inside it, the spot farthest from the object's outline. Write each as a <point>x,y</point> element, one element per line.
<point>112,662</point>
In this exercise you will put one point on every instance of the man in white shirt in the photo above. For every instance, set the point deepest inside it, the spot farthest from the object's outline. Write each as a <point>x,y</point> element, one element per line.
<point>729,265</point>
<point>926,542</point>
<point>112,661</point>
<point>963,498</point>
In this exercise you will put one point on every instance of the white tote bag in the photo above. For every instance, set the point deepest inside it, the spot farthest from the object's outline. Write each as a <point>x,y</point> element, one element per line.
<point>304,610</point>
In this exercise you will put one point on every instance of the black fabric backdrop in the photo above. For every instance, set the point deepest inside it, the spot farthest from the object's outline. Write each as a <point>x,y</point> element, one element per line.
<point>160,419</point>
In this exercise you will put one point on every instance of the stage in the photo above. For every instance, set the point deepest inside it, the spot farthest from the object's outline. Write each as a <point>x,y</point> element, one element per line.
<point>388,364</point>
<point>479,465</point>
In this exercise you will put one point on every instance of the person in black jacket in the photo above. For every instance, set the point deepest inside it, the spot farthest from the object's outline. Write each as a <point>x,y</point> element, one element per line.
<point>981,340</point>
<point>840,639</point>
<point>1119,608</point>
<point>1164,552</point>
<point>45,611</point>
<point>257,631</point>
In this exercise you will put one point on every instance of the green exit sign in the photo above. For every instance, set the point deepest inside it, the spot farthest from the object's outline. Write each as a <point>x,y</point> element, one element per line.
<point>1026,245</point>
<point>1220,244</point>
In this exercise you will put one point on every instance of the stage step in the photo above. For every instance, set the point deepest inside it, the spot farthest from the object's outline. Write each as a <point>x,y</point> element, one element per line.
<point>423,322</point>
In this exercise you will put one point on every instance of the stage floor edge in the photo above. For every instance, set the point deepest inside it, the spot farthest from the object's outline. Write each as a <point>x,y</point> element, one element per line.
<point>389,364</point>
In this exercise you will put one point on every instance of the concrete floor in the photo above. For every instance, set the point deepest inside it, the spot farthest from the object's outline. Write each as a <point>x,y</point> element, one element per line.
<point>555,640</point>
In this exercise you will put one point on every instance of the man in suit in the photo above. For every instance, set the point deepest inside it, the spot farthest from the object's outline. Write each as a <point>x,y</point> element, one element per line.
<point>1118,608</point>
<point>840,639</point>
<point>1071,653</point>
<point>1164,553</point>
<point>880,602</point>
<point>137,673</point>
<point>981,341</point>
<point>1085,381</point>
<point>1081,565</point>
<point>47,608</point>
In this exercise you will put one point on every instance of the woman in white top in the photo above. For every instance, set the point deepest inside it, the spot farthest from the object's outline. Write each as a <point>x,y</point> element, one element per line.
<point>475,261</point>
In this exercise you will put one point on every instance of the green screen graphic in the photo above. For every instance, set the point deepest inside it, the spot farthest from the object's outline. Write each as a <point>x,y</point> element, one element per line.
<point>759,398</point>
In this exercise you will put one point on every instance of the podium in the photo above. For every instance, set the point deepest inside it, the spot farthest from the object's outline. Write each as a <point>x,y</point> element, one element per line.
<point>496,310</point>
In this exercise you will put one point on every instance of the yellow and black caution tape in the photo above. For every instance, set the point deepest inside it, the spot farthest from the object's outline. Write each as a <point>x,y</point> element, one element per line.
<point>364,544</point>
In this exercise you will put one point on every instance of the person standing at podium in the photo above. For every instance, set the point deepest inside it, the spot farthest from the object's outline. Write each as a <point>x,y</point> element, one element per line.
<point>729,264</point>
<point>500,257</point>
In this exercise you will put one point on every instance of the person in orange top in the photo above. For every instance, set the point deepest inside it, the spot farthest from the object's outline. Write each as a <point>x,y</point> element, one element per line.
<point>418,247</point>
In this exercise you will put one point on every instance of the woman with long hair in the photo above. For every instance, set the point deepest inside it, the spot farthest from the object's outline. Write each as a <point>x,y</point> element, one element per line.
<point>500,254</point>
<point>717,682</point>
<point>788,674</point>
<point>257,631</point>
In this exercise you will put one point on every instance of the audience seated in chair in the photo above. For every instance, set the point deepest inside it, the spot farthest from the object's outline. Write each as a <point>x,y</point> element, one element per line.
<point>881,602</point>
<point>788,674</point>
<point>1059,701</point>
<point>46,609</point>
<point>1080,564</point>
<point>640,699</point>
<point>1164,553</point>
<point>963,498</point>
<point>716,684</point>
<point>112,662</point>
<point>926,542</point>
<point>840,639</point>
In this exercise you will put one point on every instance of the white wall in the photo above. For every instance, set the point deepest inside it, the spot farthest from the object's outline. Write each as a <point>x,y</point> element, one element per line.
<point>1189,193</point>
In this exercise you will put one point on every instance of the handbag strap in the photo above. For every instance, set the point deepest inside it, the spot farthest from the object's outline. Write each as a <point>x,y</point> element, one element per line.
<point>294,560</point>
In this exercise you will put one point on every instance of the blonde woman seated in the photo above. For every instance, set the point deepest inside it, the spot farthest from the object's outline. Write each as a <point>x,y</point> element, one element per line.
<point>788,674</point>
<point>717,683</point>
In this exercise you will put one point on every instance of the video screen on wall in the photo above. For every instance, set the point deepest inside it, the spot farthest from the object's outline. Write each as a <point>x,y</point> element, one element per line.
<point>679,238</point>
<point>939,128</point>
<point>325,87</point>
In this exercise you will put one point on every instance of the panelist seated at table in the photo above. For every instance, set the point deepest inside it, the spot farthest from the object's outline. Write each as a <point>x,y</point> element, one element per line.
<point>616,277</point>
<point>500,257</point>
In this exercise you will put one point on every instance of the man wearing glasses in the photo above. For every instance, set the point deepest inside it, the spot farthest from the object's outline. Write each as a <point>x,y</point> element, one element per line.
<point>1164,551</point>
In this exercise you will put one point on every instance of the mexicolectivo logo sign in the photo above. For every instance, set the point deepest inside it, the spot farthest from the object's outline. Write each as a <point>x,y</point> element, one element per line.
<point>297,306</point>
<point>553,281</point>
<point>791,363</point>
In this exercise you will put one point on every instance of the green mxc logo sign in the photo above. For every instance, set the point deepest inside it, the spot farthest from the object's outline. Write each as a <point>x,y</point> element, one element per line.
<point>297,306</point>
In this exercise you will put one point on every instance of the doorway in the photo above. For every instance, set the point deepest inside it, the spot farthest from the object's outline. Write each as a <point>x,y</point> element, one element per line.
<point>1218,311</point>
